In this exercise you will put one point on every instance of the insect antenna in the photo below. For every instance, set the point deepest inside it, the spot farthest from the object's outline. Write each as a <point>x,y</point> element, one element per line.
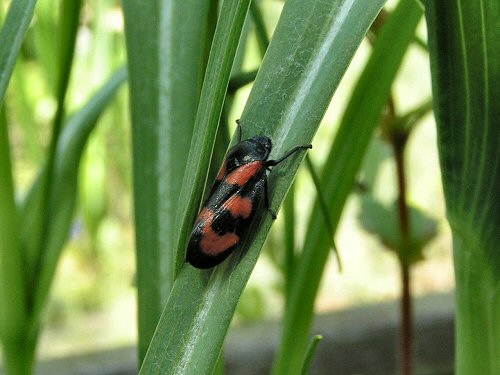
<point>271,163</point>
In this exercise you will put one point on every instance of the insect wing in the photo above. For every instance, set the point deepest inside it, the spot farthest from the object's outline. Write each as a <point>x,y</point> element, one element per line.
<point>226,216</point>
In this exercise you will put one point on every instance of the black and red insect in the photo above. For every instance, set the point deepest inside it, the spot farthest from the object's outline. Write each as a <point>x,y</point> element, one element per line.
<point>233,201</point>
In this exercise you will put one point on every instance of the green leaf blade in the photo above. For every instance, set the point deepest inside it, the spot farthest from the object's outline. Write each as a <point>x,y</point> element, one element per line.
<point>463,39</point>
<point>13,311</point>
<point>11,37</point>
<point>165,44</point>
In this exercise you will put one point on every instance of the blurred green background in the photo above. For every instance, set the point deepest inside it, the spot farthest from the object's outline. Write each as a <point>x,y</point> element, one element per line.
<point>92,304</point>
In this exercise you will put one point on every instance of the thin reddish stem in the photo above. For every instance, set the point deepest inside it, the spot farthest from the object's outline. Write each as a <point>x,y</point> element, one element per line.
<point>406,338</point>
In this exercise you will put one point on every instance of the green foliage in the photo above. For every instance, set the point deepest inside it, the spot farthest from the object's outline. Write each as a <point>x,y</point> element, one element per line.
<point>337,180</point>
<point>64,186</point>
<point>288,99</point>
<point>185,63</point>
<point>463,46</point>
<point>33,231</point>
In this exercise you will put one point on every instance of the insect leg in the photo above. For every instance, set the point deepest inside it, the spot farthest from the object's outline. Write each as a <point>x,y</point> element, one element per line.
<point>266,199</point>
<point>271,163</point>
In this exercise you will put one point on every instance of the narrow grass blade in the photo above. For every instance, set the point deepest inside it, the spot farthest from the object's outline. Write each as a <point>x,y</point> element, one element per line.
<point>11,37</point>
<point>45,44</point>
<point>463,45</point>
<point>344,160</point>
<point>69,22</point>
<point>324,209</point>
<point>313,40</point>
<point>306,367</point>
<point>68,26</point>
<point>165,46</point>
<point>238,79</point>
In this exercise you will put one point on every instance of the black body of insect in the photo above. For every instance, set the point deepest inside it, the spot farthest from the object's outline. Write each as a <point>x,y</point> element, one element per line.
<point>233,201</point>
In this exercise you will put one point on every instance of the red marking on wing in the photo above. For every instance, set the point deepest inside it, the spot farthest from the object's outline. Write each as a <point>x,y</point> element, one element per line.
<point>222,172</point>
<point>243,174</point>
<point>205,215</point>
<point>213,244</point>
<point>239,206</point>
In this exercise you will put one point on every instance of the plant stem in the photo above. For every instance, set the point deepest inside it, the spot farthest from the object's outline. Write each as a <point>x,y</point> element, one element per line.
<point>19,356</point>
<point>406,338</point>
<point>398,141</point>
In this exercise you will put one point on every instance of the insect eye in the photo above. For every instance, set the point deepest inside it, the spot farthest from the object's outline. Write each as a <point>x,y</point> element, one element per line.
<point>264,148</point>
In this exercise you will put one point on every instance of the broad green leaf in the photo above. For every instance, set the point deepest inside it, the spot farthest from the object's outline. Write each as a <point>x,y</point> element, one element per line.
<point>165,43</point>
<point>346,155</point>
<point>383,222</point>
<point>313,41</point>
<point>465,65</point>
